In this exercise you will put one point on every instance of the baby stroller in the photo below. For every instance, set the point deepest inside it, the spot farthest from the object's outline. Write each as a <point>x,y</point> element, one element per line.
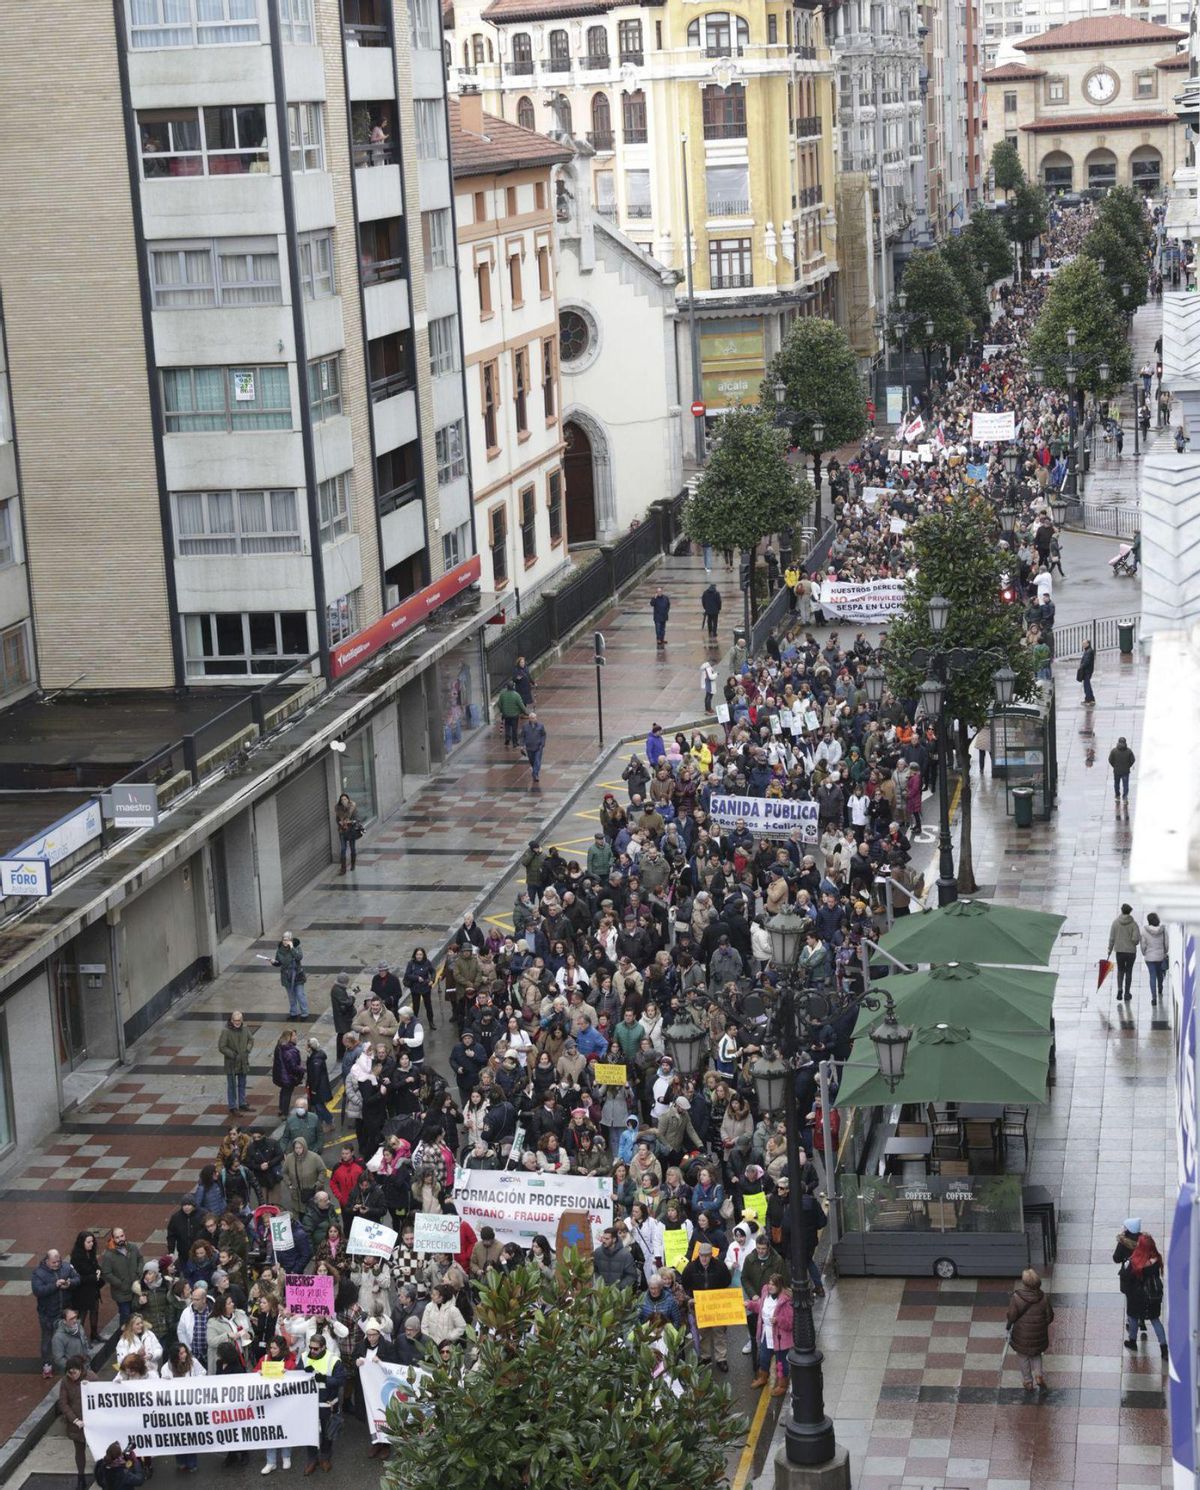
<point>1127,558</point>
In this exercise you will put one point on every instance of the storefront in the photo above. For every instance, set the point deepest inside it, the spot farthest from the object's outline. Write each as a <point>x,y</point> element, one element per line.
<point>732,362</point>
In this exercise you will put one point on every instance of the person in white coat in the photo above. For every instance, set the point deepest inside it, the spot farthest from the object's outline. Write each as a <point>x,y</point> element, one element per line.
<point>137,1338</point>
<point>1154,950</point>
<point>735,1254</point>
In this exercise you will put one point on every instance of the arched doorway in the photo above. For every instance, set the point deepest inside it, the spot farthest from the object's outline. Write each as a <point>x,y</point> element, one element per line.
<point>580,477</point>
<point>1058,171</point>
<point>1145,170</point>
<point>1101,167</point>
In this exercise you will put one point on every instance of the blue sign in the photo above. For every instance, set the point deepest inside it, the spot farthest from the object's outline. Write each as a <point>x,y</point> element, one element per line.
<point>1181,1278</point>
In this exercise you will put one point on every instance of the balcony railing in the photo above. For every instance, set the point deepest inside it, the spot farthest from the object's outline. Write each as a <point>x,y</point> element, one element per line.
<point>635,57</point>
<point>634,134</point>
<point>600,139</point>
<point>390,385</point>
<point>384,153</point>
<point>390,501</point>
<point>731,281</point>
<point>596,61</point>
<point>806,53</point>
<point>725,129</point>
<point>522,68</point>
<point>729,209</point>
<point>808,127</point>
<point>609,210</point>
<point>360,33</point>
<point>380,271</point>
<point>723,49</point>
<point>810,196</point>
<point>558,64</point>
<point>637,209</point>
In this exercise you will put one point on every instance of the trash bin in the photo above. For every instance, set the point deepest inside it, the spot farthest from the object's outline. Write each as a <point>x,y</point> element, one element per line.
<point>1087,460</point>
<point>1023,806</point>
<point>1125,637</point>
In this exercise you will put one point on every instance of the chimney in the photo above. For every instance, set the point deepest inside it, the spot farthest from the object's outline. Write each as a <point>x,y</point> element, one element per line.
<point>470,111</point>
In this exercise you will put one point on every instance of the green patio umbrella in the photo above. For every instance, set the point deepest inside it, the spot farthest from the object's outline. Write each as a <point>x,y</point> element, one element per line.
<point>984,998</point>
<point>975,931</point>
<point>950,1063</point>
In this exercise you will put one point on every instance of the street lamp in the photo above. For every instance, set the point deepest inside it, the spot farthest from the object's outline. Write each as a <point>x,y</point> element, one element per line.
<point>809,1438</point>
<point>789,418</point>
<point>901,322</point>
<point>685,1041</point>
<point>873,681</point>
<point>939,614</point>
<point>1058,511</point>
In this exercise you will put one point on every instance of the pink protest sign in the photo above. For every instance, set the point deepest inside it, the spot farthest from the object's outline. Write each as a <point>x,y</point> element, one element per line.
<point>305,1295</point>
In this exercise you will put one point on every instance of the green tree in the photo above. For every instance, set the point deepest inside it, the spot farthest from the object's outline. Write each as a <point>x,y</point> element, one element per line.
<point>956,555</point>
<point>565,1393</point>
<point>988,242</point>
<point>1122,208</point>
<point>1124,263</point>
<point>1007,170</point>
<point>819,371</point>
<point>959,254</point>
<point>1027,216</point>
<point>749,489</point>
<point>934,294</point>
<point>1078,297</point>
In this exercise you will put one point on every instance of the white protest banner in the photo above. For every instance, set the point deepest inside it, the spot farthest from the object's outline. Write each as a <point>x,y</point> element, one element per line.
<point>873,600</point>
<point>894,456</point>
<point>433,1232</point>
<point>776,725</point>
<point>897,525</point>
<point>812,720</point>
<point>281,1233</point>
<point>382,1381</point>
<point>925,454</point>
<point>519,1205</point>
<point>987,424</point>
<point>370,1239</point>
<point>766,815</point>
<point>991,349</point>
<point>785,718</point>
<point>202,1414</point>
<point>722,713</point>
<point>873,494</point>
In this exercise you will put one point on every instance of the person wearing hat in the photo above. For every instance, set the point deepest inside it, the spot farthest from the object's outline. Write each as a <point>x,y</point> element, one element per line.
<point>674,1131</point>
<point>326,1366</point>
<point>289,959</point>
<point>342,1006</point>
<point>374,1344</point>
<point>599,857</point>
<point>385,986</point>
<point>707,1271</point>
<point>1121,759</point>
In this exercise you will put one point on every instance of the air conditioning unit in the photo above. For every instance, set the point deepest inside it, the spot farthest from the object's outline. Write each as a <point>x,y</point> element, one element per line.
<point>391,597</point>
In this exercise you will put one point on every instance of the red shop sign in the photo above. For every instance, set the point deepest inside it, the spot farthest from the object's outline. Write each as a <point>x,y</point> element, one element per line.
<point>349,654</point>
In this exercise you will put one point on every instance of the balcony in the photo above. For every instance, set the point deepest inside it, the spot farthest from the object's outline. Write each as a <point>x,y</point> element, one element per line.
<point>732,208</point>
<point>558,64</point>
<point>522,68</point>
<point>360,34</point>
<point>400,496</point>
<point>600,139</point>
<point>637,209</point>
<point>805,53</point>
<point>636,57</point>
<point>725,129</point>
<point>810,196</point>
<point>723,49</point>
<point>366,23</point>
<point>808,127</point>
<point>731,281</point>
<point>634,134</point>
<point>375,140</point>
<point>596,62</point>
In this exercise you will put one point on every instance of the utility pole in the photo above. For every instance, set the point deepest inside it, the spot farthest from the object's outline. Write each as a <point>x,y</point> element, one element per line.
<point>601,648</point>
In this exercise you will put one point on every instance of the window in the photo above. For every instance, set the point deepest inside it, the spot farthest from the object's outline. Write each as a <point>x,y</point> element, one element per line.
<point>772,31</point>
<point>539,195</point>
<point>229,644</point>
<point>1145,84</point>
<point>601,137</point>
<point>555,505</point>
<point>559,59</point>
<point>1010,102</point>
<point>728,191</point>
<point>724,112</point>
<point>325,388</point>
<point>606,194</point>
<point>483,278</point>
<point>522,62</point>
<point>221,271</point>
<point>391,364</point>
<point>730,266</point>
<point>443,346</point>
<point>548,370</point>
<point>479,206</point>
<point>456,545</point>
<point>430,116</point>
<point>597,47</point>
<point>341,620</point>
<point>8,542</point>
<point>225,399</point>
<point>426,23</point>
<point>381,250</point>
<point>498,545</point>
<point>316,265</point>
<point>1056,90</point>
<point>373,130</point>
<point>525,113</point>
<point>637,193</point>
<point>295,21</point>
<point>438,238</point>
<point>155,24</point>
<point>510,201</point>
<point>529,525</point>
<point>490,373</point>
<point>397,475</point>
<point>715,34</point>
<point>304,137</point>
<point>333,507</point>
<point>574,336</point>
<point>545,277</point>
<point>226,141</point>
<point>521,389</point>
<point>633,117</point>
<point>14,658</point>
<point>514,279</point>
<point>450,452</point>
<point>236,522</point>
<point>629,41</point>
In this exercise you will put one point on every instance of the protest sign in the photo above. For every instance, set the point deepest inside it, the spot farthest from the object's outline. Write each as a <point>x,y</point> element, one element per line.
<point>766,815</point>
<point>897,525</point>
<point>776,725</point>
<point>977,472</point>
<point>756,1205</point>
<point>785,718</point>
<point>894,456</point>
<point>716,1306</point>
<point>521,1205</point>
<point>281,1233</point>
<point>872,600</point>
<point>433,1232</point>
<point>675,1246</point>
<point>381,1383</point>
<point>992,348</point>
<point>993,424</point>
<point>812,720</point>
<point>722,713</point>
<point>608,1073</point>
<point>518,1143</point>
<point>873,494</point>
<point>370,1239</point>
<point>925,453</point>
<point>308,1295</point>
<point>272,1368</point>
<point>201,1415</point>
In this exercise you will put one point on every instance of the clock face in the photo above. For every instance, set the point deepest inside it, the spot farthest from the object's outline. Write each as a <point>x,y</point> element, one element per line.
<point>1101,86</point>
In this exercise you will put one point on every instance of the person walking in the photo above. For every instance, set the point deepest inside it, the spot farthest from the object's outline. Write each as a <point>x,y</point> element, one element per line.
<point>660,607</point>
<point>1124,941</point>
<point>345,813</point>
<point>122,1267</point>
<point>289,959</point>
<point>708,678</point>
<point>1121,759</point>
<point>1030,1315</point>
<point>235,1045</point>
<point>1141,1279</point>
<point>512,708</point>
<point>70,1409</point>
<point>51,1281</point>
<point>522,681</point>
<point>287,1069</point>
<point>316,1074</point>
<point>707,1271</point>
<point>1083,673</point>
<point>1154,951</point>
<point>533,743</point>
<point>710,604</point>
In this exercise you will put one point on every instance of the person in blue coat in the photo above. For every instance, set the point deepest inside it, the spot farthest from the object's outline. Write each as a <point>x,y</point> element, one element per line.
<point>660,607</point>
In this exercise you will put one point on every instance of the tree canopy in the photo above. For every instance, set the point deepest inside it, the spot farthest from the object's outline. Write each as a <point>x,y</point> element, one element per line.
<point>567,1392</point>
<point>1028,213</point>
<point>987,240</point>
<point>1122,208</point>
<point>935,294</point>
<point>960,256</point>
<point>748,489</point>
<point>1078,297</point>
<point>1007,170</point>
<point>818,366</point>
<point>1124,263</point>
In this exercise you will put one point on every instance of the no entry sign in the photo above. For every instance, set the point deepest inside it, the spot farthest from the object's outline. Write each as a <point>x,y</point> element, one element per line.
<point>698,409</point>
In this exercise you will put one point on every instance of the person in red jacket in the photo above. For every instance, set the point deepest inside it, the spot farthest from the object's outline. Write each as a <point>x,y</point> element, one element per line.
<point>345,1175</point>
<point>775,1332</point>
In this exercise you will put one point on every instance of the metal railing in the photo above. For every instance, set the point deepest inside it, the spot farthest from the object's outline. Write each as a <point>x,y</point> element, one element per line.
<point>521,68</point>
<point>774,615</point>
<point>725,129</point>
<point>600,139</point>
<point>634,134</point>
<point>595,61</point>
<point>808,126</point>
<point>1103,633</point>
<point>731,281</point>
<point>728,209</point>
<point>1110,522</point>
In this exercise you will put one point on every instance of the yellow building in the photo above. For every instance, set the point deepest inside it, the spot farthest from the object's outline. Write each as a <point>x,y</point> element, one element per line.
<point>732,109</point>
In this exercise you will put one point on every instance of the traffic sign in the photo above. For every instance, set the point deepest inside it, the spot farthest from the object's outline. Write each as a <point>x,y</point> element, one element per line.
<point>699,410</point>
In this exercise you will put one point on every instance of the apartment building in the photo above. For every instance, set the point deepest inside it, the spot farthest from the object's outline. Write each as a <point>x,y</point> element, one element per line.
<point>950,80</point>
<point>711,144</point>
<point>1010,20</point>
<point>243,290</point>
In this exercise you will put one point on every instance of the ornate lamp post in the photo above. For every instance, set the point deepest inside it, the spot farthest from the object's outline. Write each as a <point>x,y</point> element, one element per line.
<point>789,418</point>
